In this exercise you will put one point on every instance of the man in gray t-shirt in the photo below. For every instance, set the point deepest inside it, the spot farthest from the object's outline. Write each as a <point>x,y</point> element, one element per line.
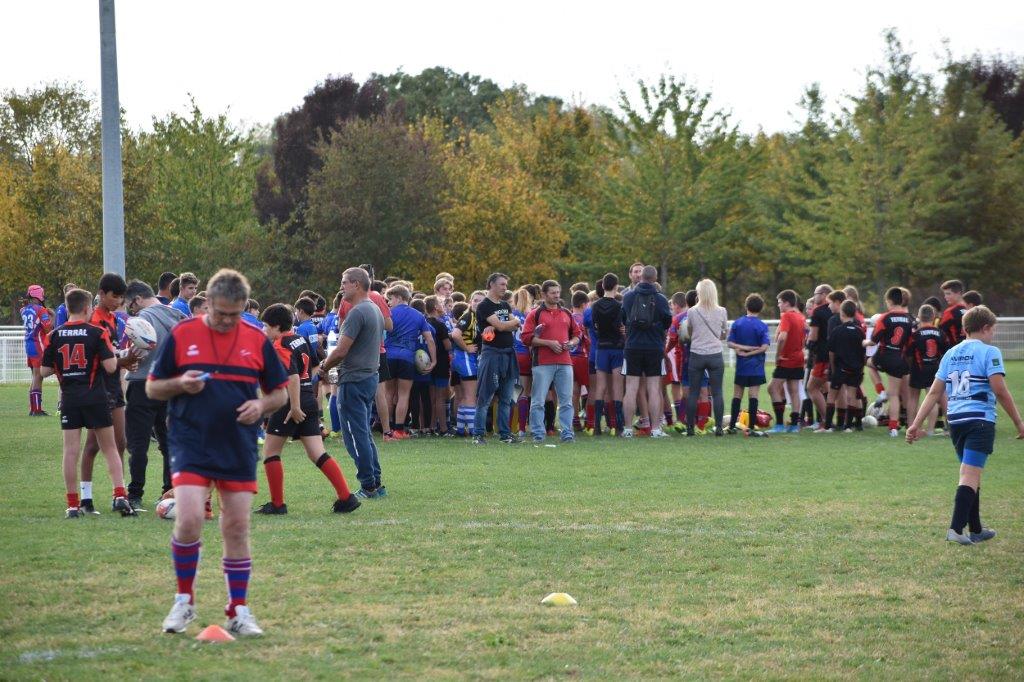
<point>358,354</point>
<point>364,325</point>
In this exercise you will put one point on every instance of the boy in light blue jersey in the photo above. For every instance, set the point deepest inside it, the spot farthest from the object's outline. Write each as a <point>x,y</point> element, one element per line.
<point>973,377</point>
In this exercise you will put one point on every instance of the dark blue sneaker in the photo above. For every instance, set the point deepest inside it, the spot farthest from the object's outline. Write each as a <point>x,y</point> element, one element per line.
<point>364,494</point>
<point>985,534</point>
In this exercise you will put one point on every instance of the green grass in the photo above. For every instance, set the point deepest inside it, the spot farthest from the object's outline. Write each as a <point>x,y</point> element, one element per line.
<point>803,556</point>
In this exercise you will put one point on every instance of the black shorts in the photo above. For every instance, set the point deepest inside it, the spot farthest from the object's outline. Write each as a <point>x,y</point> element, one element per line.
<point>844,376</point>
<point>749,381</point>
<point>280,425</point>
<point>922,377</point>
<point>788,373</point>
<point>976,435</point>
<point>85,417</point>
<point>454,379</point>
<point>115,396</point>
<point>383,371</point>
<point>892,363</point>
<point>637,362</point>
<point>401,369</point>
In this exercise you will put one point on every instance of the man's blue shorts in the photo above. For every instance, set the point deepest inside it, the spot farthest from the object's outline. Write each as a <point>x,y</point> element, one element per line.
<point>607,359</point>
<point>974,441</point>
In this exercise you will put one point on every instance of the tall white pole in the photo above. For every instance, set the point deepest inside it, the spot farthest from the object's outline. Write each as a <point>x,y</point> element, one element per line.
<point>113,188</point>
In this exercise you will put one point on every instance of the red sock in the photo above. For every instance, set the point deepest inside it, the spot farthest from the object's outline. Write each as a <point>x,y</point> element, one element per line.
<point>879,388</point>
<point>275,479</point>
<point>73,500</point>
<point>119,491</point>
<point>590,414</point>
<point>894,424</point>
<point>329,466</point>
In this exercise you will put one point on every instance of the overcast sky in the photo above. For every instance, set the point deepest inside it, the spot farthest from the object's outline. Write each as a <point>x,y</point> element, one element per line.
<point>258,59</point>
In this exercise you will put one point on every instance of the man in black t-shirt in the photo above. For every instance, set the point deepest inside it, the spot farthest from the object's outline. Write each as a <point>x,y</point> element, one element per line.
<point>846,355</point>
<point>81,356</point>
<point>817,343</point>
<point>497,369</point>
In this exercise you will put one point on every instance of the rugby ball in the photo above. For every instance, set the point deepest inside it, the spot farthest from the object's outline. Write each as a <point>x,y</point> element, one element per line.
<point>878,411</point>
<point>141,333</point>
<point>165,509</point>
<point>422,361</point>
<point>869,421</point>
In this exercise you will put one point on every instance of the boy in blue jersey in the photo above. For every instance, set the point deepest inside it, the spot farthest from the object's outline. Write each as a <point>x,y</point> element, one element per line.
<point>973,377</point>
<point>748,336</point>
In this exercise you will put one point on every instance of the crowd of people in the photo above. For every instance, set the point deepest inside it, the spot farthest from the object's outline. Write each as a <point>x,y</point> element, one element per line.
<point>223,376</point>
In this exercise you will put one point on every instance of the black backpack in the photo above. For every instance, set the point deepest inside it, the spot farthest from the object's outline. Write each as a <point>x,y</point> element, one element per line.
<point>643,312</point>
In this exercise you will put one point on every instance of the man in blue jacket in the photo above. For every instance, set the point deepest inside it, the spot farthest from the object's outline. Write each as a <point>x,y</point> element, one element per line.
<point>647,317</point>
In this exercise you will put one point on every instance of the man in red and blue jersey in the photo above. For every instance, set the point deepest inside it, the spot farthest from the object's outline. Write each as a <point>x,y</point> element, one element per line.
<point>209,369</point>
<point>38,322</point>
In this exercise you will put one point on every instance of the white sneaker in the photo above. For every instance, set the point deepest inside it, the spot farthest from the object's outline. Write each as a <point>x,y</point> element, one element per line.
<point>182,613</point>
<point>658,433</point>
<point>894,433</point>
<point>627,433</point>
<point>244,623</point>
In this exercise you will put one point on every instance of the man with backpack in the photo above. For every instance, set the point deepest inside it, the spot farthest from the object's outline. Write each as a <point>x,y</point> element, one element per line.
<point>551,333</point>
<point>647,317</point>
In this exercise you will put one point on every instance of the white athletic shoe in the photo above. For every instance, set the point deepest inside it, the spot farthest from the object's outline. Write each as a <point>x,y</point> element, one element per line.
<point>182,613</point>
<point>894,433</point>
<point>244,623</point>
<point>658,433</point>
<point>627,433</point>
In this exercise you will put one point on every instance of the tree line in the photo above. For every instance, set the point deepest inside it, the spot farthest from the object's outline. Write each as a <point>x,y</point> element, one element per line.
<point>917,179</point>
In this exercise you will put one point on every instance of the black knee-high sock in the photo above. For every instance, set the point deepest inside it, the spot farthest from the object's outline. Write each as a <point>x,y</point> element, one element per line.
<point>807,408</point>
<point>962,504</point>
<point>751,413</point>
<point>842,417</point>
<point>794,418</point>
<point>974,518</point>
<point>780,410</point>
<point>830,412</point>
<point>549,415</point>
<point>735,411</point>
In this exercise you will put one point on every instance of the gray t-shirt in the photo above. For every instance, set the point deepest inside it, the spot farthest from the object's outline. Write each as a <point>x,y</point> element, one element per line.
<point>163,318</point>
<point>364,325</point>
<point>707,329</point>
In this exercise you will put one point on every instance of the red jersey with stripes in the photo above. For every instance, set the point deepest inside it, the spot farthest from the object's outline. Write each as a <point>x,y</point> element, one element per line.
<point>952,323</point>
<point>204,435</point>
<point>892,331</point>
<point>114,327</point>
<point>76,351</point>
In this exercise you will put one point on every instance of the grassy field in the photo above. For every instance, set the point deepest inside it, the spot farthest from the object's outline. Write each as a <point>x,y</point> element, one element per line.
<point>801,556</point>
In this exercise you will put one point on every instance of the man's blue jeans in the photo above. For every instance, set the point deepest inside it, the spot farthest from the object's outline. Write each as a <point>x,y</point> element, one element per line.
<point>497,372</point>
<point>543,377</point>
<point>355,399</point>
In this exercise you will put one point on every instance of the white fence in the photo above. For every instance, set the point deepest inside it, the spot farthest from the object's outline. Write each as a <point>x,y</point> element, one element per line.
<point>1009,338</point>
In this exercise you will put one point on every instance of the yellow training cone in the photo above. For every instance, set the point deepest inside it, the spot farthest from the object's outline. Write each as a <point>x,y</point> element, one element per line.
<point>558,599</point>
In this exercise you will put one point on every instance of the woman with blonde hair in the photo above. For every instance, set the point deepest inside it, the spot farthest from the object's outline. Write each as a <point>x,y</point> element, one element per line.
<point>707,324</point>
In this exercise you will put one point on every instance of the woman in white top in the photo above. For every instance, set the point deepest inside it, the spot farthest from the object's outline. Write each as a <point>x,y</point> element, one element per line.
<point>707,324</point>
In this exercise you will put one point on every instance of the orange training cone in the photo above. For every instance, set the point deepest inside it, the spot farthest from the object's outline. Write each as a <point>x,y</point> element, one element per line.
<point>215,633</point>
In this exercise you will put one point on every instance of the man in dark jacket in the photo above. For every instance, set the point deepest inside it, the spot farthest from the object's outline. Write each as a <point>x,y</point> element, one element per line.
<point>647,317</point>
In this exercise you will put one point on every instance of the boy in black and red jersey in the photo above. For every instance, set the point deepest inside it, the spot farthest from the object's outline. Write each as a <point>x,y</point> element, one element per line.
<point>817,344</point>
<point>80,355</point>
<point>951,323</point>
<point>298,418</point>
<point>846,357</point>
<point>892,336</point>
<point>925,350</point>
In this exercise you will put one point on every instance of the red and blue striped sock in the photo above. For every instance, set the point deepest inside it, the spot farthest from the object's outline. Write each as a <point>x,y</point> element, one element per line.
<point>35,400</point>
<point>186,561</point>
<point>236,574</point>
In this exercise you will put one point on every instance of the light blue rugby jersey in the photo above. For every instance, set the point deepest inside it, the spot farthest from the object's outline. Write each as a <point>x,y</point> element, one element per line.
<point>966,368</point>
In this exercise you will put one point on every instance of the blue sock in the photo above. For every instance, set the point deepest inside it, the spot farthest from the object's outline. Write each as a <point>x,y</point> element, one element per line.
<point>332,407</point>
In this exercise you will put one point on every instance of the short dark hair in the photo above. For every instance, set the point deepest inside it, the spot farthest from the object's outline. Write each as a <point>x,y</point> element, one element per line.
<point>494,277</point>
<point>579,298</point>
<point>458,297</point>
<point>954,285</point>
<point>459,309</point>
<point>837,296</point>
<point>977,318</point>
<point>431,304</point>
<point>972,297</point>
<point>848,308</point>
<point>306,305</point>
<point>187,278</point>
<point>175,288</point>
<point>165,280</point>
<point>378,285</point>
<point>691,298</point>
<point>789,296</point>
<point>399,291</point>
<point>754,303</point>
<point>278,315</point>
<point>580,286</point>
<point>113,283</point>
<point>926,313</point>
<point>252,304</point>
<point>679,298</point>
<point>547,285</point>
<point>418,306</point>
<point>610,282</point>
<point>933,301</point>
<point>77,301</point>
<point>894,295</point>
<point>195,303</point>
<point>138,288</point>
